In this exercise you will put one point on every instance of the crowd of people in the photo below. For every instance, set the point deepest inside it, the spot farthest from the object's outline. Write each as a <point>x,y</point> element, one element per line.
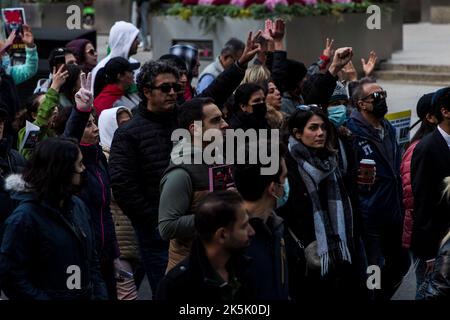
<point>98,199</point>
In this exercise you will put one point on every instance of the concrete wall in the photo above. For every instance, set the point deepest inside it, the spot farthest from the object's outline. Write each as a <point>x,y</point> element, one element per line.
<point>305,37</point>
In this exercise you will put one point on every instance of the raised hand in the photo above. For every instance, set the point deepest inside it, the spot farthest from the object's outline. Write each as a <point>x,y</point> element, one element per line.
<point>59,78</point>
<point>277,31</point>
<point>328,51</point>
<point>350,71</point>
<point>84,97</point>
<point>251,49</point>
<point>8,42</point>
<point>27,36</point>
<point>370,65</point>
<point>268,25</point>
<point>341,57</point>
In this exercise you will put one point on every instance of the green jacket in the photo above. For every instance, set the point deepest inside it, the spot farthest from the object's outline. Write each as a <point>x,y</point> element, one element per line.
<point>45,111</point>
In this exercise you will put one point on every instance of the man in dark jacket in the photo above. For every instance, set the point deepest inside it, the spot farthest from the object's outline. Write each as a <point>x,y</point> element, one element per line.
<point>262,194</point>
<point>429,166</point>
<point>10,162</point>
<point>380,203</point>
<point>140,153</point>
<point>141,149</point>
<point>216,270</point>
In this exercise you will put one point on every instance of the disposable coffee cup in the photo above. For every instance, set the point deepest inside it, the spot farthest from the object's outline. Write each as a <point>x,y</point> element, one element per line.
<point>366,171</point>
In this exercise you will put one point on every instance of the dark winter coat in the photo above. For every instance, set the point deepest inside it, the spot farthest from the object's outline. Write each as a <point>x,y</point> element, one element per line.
<point>437,283</point>
<point>431,219</point>
<point>10,162</point>
<point>382,205</point>
<point>140,153</point>
<point>40,243</point>
<point>96,190</point>
<point>194,280</point>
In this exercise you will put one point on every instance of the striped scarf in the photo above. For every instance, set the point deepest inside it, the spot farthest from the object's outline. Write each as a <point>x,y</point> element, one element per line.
<point>333,224</point>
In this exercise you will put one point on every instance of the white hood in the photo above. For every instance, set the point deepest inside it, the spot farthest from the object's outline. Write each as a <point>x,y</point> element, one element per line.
<point>121,37</point>
<point>107,125</point>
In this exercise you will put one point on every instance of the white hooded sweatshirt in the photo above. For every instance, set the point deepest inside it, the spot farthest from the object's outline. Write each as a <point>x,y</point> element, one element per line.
<point>107,126</point>
<point>121,38</point>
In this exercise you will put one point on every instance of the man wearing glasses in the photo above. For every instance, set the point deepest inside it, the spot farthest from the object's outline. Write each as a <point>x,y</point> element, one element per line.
<point>381,197</point>
<point>140,153</point>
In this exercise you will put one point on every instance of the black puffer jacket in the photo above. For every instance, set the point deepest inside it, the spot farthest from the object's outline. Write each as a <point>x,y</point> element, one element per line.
<point>140,153</point>
<point>437,283</point>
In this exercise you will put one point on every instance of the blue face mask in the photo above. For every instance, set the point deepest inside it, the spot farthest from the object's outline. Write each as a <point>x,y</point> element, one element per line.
<point>281,201</point>
<point>337,115</point>
<point>6,61</point>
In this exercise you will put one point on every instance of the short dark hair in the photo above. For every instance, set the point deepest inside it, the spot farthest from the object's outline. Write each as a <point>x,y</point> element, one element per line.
<point>232,47</point>
<point>441,99</point>
<point>216,210</point>
<point>56,52</point>
<point>243,94</point>
<point>191,111</point>
<point>149,71</point>
<point>248,179</point>
<point>356,90</point>
<point>32,105</point>
<point>51,167</point>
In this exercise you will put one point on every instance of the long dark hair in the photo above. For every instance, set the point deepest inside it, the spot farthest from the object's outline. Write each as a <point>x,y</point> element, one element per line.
<point>49,172</point>
<point>300,118</point>
<point>425,128</point>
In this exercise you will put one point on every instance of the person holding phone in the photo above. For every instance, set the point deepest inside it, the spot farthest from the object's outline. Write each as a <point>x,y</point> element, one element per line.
<point>20,73</point>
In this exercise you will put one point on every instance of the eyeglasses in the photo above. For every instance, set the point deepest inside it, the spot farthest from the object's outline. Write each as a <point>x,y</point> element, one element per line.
<point>309,107</point>
<point>92,52</point>
<point>376,95</point>
<point>166,87</point>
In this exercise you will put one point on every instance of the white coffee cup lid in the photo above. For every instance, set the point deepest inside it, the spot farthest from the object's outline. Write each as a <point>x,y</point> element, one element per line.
<point>367,161</point>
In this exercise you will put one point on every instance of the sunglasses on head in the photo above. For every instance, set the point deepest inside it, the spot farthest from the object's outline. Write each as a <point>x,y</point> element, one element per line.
<point>376,95</point>
<point>166,87</point>
<point>305,107</point>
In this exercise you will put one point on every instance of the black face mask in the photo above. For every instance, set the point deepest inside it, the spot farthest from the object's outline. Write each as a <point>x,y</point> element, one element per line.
<point>379,108</point>
<point>260,110</point>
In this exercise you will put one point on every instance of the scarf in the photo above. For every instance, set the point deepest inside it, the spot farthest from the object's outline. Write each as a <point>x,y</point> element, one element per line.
<point>333,225</point>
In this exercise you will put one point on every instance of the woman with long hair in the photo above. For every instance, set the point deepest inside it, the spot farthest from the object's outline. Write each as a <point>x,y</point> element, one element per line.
<point>48,247</point>
<point>318,213</point>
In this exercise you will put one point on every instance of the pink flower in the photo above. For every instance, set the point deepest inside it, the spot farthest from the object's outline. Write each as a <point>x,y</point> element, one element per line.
<point>341,1</point>
<point>239,3</point>
<point>272,3</point>
<point>205,2</point>
<point>310,2</point>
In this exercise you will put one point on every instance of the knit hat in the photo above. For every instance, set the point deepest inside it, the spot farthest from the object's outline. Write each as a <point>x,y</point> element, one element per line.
<point>78,46</point>
<point>188,53</point>
<point>339,93</point>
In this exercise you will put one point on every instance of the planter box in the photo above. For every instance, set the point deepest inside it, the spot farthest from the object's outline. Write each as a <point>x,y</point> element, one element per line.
<point>304,40</point>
